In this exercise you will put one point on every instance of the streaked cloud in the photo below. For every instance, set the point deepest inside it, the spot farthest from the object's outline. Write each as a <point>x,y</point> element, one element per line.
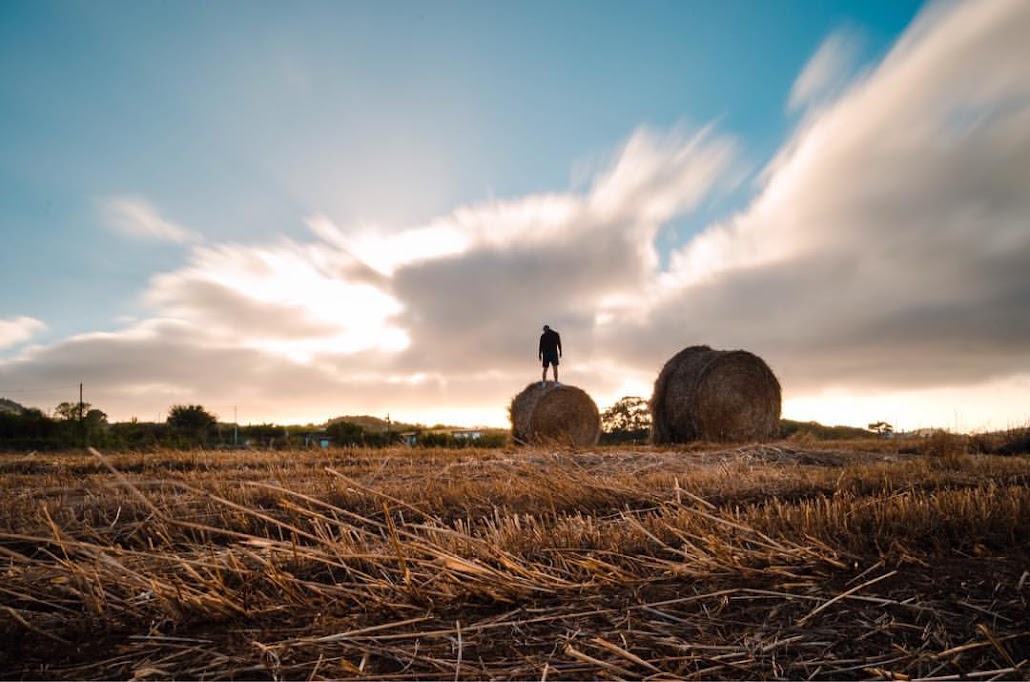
<point>136,217</point>
<point>887,248</point>
<point>19,329</point>
<point>828,71</point>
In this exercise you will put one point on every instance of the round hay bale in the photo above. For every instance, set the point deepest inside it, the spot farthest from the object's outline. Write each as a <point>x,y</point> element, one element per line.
<point>560,414</point>
<point>715,395</point>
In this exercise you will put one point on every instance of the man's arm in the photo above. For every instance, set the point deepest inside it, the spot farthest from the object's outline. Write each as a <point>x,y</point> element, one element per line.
<point>558,338</point>
<point>540,351</point>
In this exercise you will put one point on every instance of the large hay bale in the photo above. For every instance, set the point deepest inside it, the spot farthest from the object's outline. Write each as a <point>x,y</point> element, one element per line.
<point>554,414</point>
<point>715,395</point>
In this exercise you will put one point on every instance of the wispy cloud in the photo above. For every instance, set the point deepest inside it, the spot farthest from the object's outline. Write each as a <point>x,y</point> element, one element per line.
<point>136,217</point>
<point>828,70</point>
<point>16,330</point>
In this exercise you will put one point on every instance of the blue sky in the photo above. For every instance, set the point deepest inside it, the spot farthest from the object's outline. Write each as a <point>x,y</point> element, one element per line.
<point>152,150</point>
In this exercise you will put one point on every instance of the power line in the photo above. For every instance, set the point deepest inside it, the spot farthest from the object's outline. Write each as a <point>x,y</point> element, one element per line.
<point>38,390</point>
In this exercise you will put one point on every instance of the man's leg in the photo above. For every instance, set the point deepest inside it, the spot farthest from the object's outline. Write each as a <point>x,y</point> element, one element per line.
<point>555,368</point>
<point>543,376</point>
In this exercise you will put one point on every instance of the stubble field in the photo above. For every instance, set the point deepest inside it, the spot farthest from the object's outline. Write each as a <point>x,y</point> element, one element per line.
<point>758,562</point>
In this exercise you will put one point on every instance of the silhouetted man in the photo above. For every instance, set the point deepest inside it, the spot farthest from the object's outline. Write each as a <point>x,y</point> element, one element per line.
<point>550,351</point>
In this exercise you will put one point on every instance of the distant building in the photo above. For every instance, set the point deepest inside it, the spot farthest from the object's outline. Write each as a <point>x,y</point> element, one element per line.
<point>319,438</point>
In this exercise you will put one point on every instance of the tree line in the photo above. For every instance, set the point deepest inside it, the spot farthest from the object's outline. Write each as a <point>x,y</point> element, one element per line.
<point>80,424</point>
<point>74,425</point>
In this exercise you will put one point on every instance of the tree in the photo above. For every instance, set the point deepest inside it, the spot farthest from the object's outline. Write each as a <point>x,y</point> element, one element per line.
<point>263,434</point>
<point>628,419</point>
<point>346,433</point>
<point>95,418</point>
<point>191,420</point>
<point>79,421</point>
<point>72,411</point>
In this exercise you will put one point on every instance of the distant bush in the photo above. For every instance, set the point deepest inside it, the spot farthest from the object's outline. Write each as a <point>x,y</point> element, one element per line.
<point>351,434</point>
<point>1008,442</point>
<point>639,437</point>
<point>448,440</point>
<point>32,430</point>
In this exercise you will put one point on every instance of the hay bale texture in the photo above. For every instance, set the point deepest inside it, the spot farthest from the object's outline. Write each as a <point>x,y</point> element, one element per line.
<point>715,395</point>
<point>559,414</point>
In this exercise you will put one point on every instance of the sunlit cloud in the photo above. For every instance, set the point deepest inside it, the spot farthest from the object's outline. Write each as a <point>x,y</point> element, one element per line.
<point>436,319</point>
<point>136,217</point>
<point>385,252</point>
<point>286,298</point>
<point>19,329</point>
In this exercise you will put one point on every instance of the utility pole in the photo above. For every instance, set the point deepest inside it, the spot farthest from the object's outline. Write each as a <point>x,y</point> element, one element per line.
<point>82,418</point>
<point>235,428</point>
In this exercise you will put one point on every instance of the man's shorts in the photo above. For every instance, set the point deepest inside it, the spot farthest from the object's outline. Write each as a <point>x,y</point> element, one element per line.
<point>551,359</point>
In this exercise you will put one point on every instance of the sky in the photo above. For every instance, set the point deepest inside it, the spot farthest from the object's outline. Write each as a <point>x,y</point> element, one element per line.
<point>293,211</point>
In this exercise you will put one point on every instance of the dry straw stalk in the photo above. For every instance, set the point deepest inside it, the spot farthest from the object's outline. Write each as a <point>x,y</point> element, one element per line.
<point>753,563</point>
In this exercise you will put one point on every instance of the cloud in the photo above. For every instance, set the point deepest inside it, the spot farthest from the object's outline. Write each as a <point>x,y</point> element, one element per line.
<point>293,299</point>
<point>888,246</point>
<point>383,253</point>
<point>19,329</point>
<point>827,71</point>
<point>885,252</point>
<point>143,370</point>
<point>560,259</point>
<point>439,320</point>
<point>138,218</point>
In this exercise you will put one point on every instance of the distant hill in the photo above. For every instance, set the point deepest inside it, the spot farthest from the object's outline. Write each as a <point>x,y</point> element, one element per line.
<point>376,425</point>
<point>816,431</point>
<point>11,406</point>
<point>373,424</point>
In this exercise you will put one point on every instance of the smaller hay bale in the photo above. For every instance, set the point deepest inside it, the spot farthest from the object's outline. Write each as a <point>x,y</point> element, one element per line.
<point>715,395</point>
<point>560,414</point>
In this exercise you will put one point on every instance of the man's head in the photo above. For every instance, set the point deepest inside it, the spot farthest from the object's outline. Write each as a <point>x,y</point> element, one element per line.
<point>546,328</point>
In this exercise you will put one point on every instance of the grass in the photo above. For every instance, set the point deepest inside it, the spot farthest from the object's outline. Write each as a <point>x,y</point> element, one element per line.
<point>776,562</point>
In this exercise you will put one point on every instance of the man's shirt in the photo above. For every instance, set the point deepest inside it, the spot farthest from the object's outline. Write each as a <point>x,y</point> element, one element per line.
<point>550,342</point>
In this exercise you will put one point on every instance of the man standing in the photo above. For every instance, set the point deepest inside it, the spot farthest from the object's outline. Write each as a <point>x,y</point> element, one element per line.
<point>550,351</point>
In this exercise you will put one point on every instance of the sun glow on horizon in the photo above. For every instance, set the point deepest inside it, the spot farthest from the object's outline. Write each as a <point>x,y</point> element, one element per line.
<point>963,409</point>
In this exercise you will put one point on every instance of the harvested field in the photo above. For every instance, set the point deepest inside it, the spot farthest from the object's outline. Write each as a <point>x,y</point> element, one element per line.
<point>772,562</point>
